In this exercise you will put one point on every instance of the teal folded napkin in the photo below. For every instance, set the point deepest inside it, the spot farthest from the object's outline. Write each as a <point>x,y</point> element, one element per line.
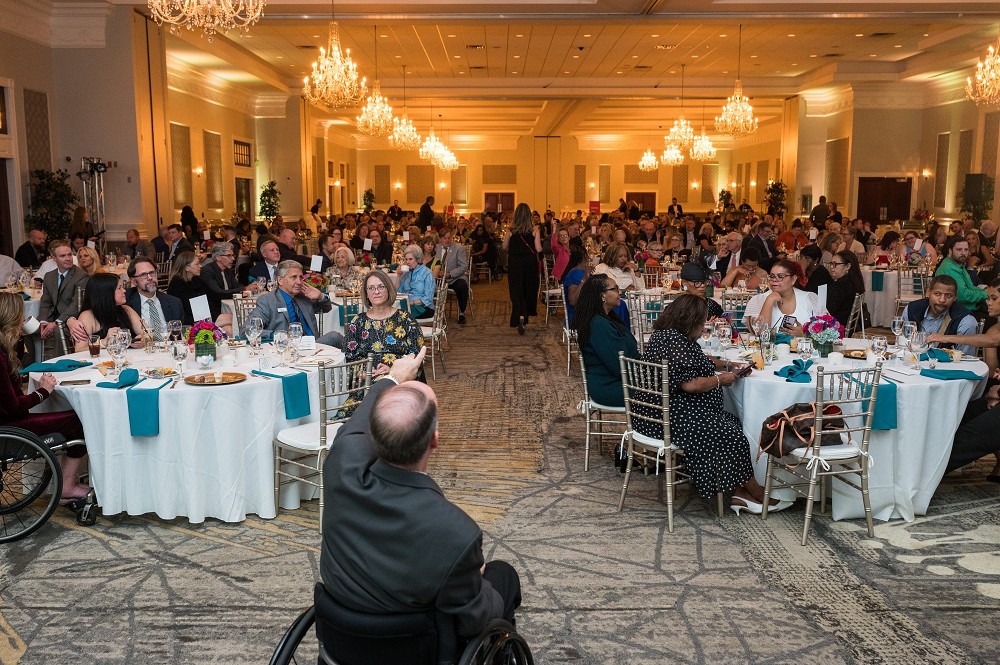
<point>885,405</point>
<point>64,365</point>
<point>797,372</point>
<point>295,388</point>
<point>25,297</point>
<point>127,377</point>
<point>782,338</point>
<point>144,409</point>
<point>878,280</point>
<point>950,374</point>
<point>941,355</point>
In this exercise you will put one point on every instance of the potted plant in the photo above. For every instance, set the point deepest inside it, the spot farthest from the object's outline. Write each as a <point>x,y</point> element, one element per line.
<point>52,203</point>
<point>205,335</point>
<point>726,200</point>
<point>270,198</point>
<point>369,200</point>
<point>978,210</point>
<point>774,197</point>
<point>824,331</point>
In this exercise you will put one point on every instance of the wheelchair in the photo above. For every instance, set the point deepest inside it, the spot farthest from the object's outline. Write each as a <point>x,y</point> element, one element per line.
<point>347,637</point>
<point>31,483</point>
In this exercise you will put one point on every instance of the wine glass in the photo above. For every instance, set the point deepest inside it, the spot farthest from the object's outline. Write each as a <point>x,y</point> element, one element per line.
<point>179,351</point>
<point>117,345</point>
<point>175,328</point>
<point>280,343</point>
<point>254,328</point>
<point>805,348</point>
<point>11,281</point>
<point>879,346</point>
<point>725,333</point>
<point>918,346</point>
<point>295,333</point>
<point>897,325</point>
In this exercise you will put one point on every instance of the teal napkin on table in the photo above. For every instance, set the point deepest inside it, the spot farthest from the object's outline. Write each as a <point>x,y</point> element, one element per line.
<point>64,365</point>
<point>782,338</point>
<point>950,374</point>
<point>144,409</point>
<point>295,388</point>
<point>878,280</point>
<point>885,405</point>
<point>941,355</point>
<point>128,377</point>
<point>797,372</point>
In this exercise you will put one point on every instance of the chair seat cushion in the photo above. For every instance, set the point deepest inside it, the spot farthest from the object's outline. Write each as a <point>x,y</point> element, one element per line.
<point>306,437</point>
<point>842,451</point>
<point>650,442</point>
<point>610,409</point>
<point>429,332</point>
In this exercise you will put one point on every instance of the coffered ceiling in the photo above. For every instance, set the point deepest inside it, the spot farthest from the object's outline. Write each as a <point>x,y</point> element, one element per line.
<point>595,68</point>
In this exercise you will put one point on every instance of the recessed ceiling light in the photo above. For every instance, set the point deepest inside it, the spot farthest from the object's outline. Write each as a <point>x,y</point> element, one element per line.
<point>587,35</point>
<point>694,56</point>
<point>315,36</point>
<point>451,35</point>
<point>673,71</point>
<point>516,57</point>
<point>725,71</point>
<point>897,46</point>
<point>926,34</point>
<point>461,72</point>
<point>617,72</point>
<point>795,64</point>
<point>812,55</point>
<point>634,57</point>
<point>654,35</point>
<point>399,56</point>
<point>576,57</point>
<point>457,57</point>
<point>565,72</point>
<point>791,34</point>
<point>872,55</point>
<point>281,57</point>
<point>513,72</point>
<point>723,35</point>
<point>519,35</point>
<point>859,34</point>
<point>753,56</point>
<point>383,36</point>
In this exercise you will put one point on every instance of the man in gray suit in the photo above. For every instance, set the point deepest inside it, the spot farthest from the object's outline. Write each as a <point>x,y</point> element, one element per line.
<point>58,301</point>
<point>218,274</point>
<point>455,261</point>
<point>294,301</point>
<point>392,542</point>
<point>134,247</point>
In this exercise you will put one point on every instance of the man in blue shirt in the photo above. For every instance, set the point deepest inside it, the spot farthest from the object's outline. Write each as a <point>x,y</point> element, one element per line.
<point>295,301</point>
<point>939,313</point>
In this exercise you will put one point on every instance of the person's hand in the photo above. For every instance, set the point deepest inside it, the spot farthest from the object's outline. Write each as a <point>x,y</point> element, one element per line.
<point>935,338</point>
<point>506,235</point>
<point>311,292</point>
<point>48,382</point>
<point>794,331</point>
<point>380,370</point>
<point>47,329</point>
<point>727,378</point>
<point>77,329</point>
<point>406,368</point>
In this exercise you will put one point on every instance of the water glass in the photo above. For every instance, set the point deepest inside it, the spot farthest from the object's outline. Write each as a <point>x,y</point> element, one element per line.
<point>897,326</point>
<point>918,346</point>
<point>280,343</point>
<point>179,351</point>
<point>879,346</point>
<point>295,334</point>
<point>175,328</point>
<point>805,348</point>
<point>909,328</point>
<point>254,329</point>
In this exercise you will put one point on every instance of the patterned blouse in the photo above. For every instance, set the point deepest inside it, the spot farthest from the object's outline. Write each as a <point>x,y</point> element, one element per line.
<point>387,338</point>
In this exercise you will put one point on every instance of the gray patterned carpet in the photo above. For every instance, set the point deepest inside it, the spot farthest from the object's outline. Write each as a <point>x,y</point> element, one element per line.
<point>599,586</point>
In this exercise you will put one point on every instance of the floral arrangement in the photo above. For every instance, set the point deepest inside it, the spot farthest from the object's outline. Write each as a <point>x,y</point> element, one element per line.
<point>316,280</point>
<point>824,329</point>
<point>365,260</point>
<point>922,214</point>
<point>205,332</point>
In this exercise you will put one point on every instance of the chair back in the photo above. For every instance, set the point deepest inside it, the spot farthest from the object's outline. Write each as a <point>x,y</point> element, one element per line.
<point>981,350</point>
<point>162,274</point>
<point>79,296</point>
<point>337,384</point>
<point>242,306</point>
<point>656,276</point>
<point>349,637</point>
<point>643,310</point>
<point>911,284</point>
<point>854,392</point>
<point>737,304</point>
<point>856,319</point>
<point>348,307</point>
<point>646,391</point>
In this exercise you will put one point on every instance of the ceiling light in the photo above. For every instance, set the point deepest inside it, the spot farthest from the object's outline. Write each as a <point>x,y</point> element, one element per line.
<point>987,85</point>
<point>451,35</point>
<point>682,133</point>
<point>791,34</point>
<point>404,135</point>
<point>376,116</point>
<point>587,35</point>
<point>516,57</point>
<point>576,57</point>
<point>456,56</point>
<point>654,35</point>
<point>897,46</point>
<point>737,117</point>
<point>334,81</point>
<point>861,34</point>
<point>812,55</point>
<point>210,16</point>
<point>672,155</point>
<point>648,161</point>
<point>383,36</point>
<point>519,35</point>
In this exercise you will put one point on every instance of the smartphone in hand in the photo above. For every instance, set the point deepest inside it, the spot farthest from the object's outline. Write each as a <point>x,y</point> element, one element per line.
<point>746,370</point>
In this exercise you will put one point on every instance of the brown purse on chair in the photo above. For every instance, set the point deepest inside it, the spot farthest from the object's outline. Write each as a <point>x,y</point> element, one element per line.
<point>793,428</point>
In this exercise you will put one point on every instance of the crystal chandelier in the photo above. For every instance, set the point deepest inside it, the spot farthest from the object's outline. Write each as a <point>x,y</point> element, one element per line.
<point>210,16</point>
<point>672,155</point>
<point>432,150</point>
<point>702,150</point>
<point>648,161</point>
<point>737,117</point>
<point>376,117</point>
<point>334,80</point>
<point>682,133</point>
<point>987,87</point>
<point>404,135</point>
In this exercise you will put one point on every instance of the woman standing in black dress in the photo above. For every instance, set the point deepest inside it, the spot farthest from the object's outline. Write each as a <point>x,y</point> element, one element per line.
<point>523,242</point>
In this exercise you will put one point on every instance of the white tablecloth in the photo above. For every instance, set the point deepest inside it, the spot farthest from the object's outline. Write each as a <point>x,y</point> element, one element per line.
<point>881,304</point>
<point>213,456</point>
<point>908,462</point>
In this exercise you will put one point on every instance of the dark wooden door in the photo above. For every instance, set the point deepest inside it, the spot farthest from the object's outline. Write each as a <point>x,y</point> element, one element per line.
<point>496,202</point>
<point>6,230</point>
<point>883,200</point>
<point>646,201</point>
<point>244,196</point>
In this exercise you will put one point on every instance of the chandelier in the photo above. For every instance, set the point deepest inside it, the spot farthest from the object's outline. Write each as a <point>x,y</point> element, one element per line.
<point>404,135</point>
<point>431,147</point>
<point>376,117</point>
<point>737,117</point>
<point>648,161</point>
<point>682,133</point>
<point>210,16</point>
<point>334,80</point>
<point>672,155</point>
<point>702,150</point>
<point>987,87</point>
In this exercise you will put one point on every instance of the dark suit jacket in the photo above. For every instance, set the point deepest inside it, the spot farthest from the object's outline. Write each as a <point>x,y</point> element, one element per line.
<point>28,257</point>
<point>392,542</point>
<point>765,250</point>
<point>211,275</point>
<point>260,271</point>
<point>61,303</point>
<point>288,254</point>
<point>141,248</point>
<point>270,308</point>
<point>160,245</point>
<point>183,245</point>
<point>173,309</point>
<point>676,208</point>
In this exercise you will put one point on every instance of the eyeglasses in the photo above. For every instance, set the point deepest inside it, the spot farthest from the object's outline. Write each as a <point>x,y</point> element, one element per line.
<point>612,288</point>
<point>777,278</point>
<point>375,288</point>
<point>144,275</point>
<point>838,263</point>
<point>696,285</point>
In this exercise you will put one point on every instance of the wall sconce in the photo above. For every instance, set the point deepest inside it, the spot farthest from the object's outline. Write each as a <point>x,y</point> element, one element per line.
<point>926,173</point>
<point>694,185</point>
<point>398,185</point>
<point>336,183</point>
<point>441,185</point>
<point>753,183</point>
<point>198,171</point>
<point>593,186</point>
<point>733,184</point>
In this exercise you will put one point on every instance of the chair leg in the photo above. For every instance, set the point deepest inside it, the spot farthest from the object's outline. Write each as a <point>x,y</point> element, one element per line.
<point>824,486</point>
<point>866,499</point>
<point>319,470</point>
<point>670,490</point>
<point>586,444</point>
<point>813,479</point>
<point>720,503</point>
<point>628,475</point>
<point>277,477</point>
<point>767,488</point>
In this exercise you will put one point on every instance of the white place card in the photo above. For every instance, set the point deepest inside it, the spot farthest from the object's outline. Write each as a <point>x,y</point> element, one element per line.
<point>307,343</point>
<point>207,235</point>
<point>406,235</point>
<point>199,309</point>
<point>368,244</point>
<point>916,244</point>
<point>316,263</point>
<point>813,233</point>
<point>821,296</point>
<point>91,244</point>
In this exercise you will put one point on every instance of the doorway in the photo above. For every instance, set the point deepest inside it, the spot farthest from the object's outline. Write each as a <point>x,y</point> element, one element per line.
<point>497,202</point>
<point>6,230</point>
<point>646,201</point>
<point>244,196</point>
<point>882,200</point>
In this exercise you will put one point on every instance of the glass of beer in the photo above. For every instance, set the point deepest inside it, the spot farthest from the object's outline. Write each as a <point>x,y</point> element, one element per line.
<point>94,345</point>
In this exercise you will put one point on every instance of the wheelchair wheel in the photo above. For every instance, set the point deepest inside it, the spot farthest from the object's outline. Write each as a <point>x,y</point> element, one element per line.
<point>27,469</point>
<point>498,644</point>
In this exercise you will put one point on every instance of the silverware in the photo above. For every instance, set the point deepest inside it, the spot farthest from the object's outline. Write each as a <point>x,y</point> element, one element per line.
<point>889,378</point>
<point>176,381</point>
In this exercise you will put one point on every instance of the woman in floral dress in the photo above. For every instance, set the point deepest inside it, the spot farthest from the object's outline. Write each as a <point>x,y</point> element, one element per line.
<point>382,329</point>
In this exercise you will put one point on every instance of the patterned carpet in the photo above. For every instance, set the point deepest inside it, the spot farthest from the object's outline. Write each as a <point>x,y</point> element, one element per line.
<point>599,586</point>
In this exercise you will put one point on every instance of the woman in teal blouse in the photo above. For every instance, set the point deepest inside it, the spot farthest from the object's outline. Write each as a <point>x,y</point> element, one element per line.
<point>601,335</point>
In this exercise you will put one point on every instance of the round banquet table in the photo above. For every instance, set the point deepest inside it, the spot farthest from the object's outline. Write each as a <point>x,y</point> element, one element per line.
<point>213,456</point>
<point>907,462</point>
<point>881,304</point>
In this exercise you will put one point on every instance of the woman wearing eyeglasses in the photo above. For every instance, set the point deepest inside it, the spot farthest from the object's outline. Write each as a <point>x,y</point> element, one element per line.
<point>846,282</point>
<point>784,299</point>
<point>601,334</point>
<point>382,329</point>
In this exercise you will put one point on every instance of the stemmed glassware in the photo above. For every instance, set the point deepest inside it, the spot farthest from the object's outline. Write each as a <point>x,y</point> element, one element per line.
<point>179,351</point>
<point>117,346</point>
<point>918,346</point>
<point>879,346</point>
<point>725,334</point>
<point>280,342</point>
<point>294,336</point>
<point>253,329</point>
<point>805,348</point>
<point>11,281</point>
<point>175,327</point>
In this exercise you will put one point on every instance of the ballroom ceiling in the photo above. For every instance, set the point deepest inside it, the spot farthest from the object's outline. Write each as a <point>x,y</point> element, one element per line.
<point>596,68</point>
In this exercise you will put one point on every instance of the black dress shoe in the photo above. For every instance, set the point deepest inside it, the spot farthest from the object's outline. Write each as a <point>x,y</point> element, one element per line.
<point>520,326</point>
<point>461,319</point>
